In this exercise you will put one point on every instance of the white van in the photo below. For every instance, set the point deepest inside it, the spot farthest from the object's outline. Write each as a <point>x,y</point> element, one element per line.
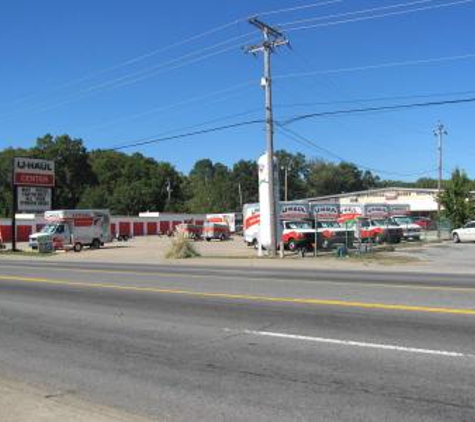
<point>75,228</point>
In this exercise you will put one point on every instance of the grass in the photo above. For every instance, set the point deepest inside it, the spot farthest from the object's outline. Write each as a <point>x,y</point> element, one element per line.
<point>181,248</point>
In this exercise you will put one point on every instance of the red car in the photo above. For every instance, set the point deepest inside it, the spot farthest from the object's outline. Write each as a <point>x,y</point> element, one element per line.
<point>423,222</point>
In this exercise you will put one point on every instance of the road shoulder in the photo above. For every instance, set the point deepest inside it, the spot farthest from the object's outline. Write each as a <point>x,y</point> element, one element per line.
<point>21,402</point>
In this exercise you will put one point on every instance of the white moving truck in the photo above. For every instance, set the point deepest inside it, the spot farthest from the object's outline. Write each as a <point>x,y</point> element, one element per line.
<point>75,229</point>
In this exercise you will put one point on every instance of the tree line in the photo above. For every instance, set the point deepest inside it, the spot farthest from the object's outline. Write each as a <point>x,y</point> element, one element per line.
<point>129,184</point>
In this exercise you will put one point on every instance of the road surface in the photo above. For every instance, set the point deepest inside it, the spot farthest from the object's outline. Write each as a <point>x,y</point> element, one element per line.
<point>209,344</point>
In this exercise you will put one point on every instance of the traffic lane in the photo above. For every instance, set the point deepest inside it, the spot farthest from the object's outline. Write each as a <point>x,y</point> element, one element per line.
<point>296,273</point>
<point>321,292</point>
<point>423,330</point>
<point>177,363</point>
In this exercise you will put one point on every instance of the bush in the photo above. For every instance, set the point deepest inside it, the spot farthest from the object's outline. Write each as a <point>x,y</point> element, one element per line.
<point>181,248</point>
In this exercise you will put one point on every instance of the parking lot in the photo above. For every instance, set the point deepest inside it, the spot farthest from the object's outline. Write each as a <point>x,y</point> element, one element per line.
<point>410,256</point>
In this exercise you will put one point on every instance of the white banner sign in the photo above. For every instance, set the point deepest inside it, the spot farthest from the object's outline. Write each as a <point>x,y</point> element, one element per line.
<point>34,199</point>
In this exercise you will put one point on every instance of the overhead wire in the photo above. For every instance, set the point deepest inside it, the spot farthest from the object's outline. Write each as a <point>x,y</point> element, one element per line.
<point>379,108</point>
<point>241,87</point>
<point>291,133</point>
<point>172,46</point>
<point>301,117</point>
<point>378,16</point>
<point>376,66</point>
<point>352,13</point>
<point>86,93</point>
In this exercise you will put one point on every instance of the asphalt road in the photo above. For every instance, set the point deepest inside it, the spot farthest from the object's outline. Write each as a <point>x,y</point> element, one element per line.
<point>211,344</point>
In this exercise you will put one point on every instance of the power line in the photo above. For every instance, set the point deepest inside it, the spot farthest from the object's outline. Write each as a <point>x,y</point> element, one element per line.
<point>356,12</point>
<point>298,8</point>
<point>193,126</point>
<point>295,136</point>
<point>378,16</point>
<point>377,66</point>
<point>109,86</point>
<point>380,108</point>
<point>372,99</point>
<point>239,87</point>
<point>298,118</point>
<point>190,134</point>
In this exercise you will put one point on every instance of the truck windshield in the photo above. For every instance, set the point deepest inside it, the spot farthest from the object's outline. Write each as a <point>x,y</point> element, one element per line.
<point>382,222</point>
<point>49,228</point>
<point>328,224</point>
<point>403,220</point>
<point>298,225</point>
<point>53,228</point>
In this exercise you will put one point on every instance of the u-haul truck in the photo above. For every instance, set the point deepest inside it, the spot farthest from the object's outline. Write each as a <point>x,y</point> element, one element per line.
<point>295,231</point>
<point>75,229</point>
<point>234,220</point>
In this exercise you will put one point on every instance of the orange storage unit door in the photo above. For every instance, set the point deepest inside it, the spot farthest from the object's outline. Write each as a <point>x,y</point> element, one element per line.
<point>6,231</point>
<point>138,229</point>
<point>23,232</point>
<point>151,228</point>
<point>164,226</point>
<point>124,228</point>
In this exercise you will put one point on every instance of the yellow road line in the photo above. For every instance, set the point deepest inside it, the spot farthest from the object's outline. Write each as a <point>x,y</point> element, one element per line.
<point>274,280</point>
<point>234,296</point>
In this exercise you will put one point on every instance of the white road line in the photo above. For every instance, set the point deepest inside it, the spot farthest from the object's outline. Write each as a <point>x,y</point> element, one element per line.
<point>391,347</point>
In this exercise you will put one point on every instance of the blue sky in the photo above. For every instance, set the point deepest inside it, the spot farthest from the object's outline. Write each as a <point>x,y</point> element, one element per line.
<point>113,72</point>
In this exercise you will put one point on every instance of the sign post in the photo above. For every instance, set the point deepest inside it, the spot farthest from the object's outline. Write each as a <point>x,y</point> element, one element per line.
<point>32,186</point>
<point>14,208</point>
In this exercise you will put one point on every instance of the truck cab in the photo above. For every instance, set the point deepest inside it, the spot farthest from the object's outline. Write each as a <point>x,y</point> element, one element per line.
<point>410,229</point>
<point>377,230</point>
<point>60,234</point>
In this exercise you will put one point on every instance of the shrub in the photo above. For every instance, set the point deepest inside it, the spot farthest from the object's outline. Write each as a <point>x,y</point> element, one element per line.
<point>181,248</point>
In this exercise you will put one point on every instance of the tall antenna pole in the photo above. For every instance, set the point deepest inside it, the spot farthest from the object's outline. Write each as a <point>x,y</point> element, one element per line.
<point>272,39</point>
<point>439,132</point>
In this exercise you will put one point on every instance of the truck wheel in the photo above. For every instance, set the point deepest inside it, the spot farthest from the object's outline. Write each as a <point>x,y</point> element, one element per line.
<point>379,239</point>
<point>456,238</point>
<point>96,244</point>
<point>255,243</point>
<point>222,237</point>
<point>292,245</point>
<point>77,247</point>
<point>125,237</point>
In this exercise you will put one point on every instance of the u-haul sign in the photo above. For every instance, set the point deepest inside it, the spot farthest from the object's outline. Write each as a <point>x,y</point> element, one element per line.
<point>33,172</point>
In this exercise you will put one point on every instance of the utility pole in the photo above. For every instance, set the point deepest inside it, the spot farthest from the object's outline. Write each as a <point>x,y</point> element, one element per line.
<point>240,195</point>
<point>272,39</point>
<point>286,169</point>
<point>169,193</point>
<point>439,132</point>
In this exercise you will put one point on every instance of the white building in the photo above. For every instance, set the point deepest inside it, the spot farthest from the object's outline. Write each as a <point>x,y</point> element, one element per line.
<point>421,201</point>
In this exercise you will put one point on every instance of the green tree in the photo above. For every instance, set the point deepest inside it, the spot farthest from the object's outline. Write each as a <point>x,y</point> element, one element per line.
<point>325,178</point>
<point>211,188</point>
<point>72,167</point>
<point>6,161</point>
<point>245,175</point>
<point>297,170</point>
<point>457,200</point>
